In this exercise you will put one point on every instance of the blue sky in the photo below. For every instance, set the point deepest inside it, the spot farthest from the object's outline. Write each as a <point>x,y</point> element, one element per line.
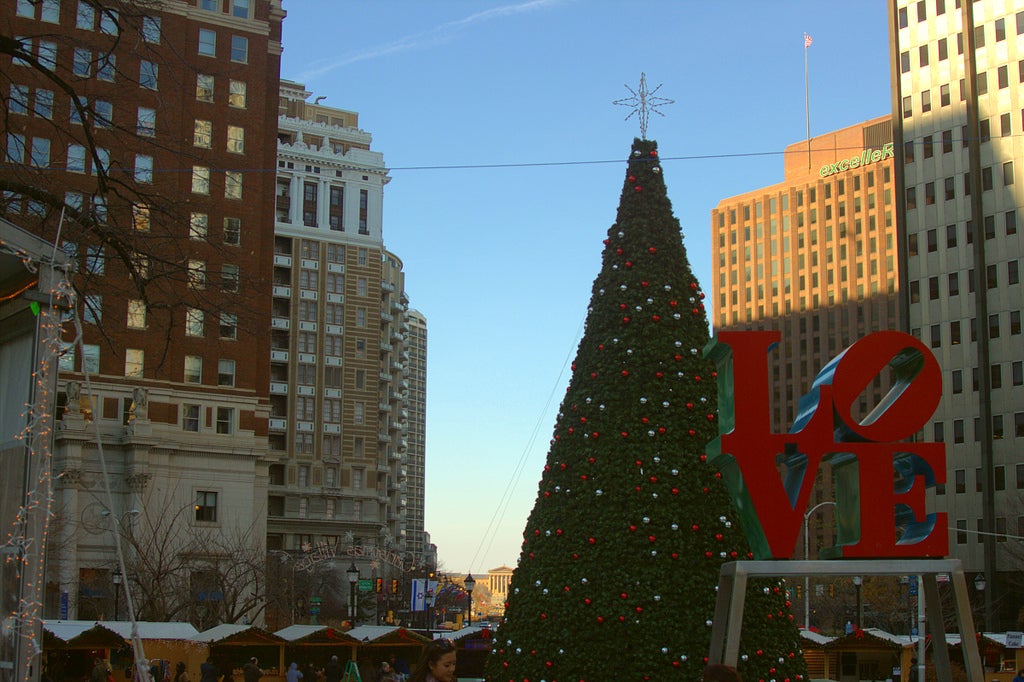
<point>501,260</point>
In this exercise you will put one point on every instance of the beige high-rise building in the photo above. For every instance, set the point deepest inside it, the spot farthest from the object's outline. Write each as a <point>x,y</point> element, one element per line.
<point>957,98</point>
<point>340,390</point>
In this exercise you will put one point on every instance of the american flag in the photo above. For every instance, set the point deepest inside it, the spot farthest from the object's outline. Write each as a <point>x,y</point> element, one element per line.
<point>807,41</point>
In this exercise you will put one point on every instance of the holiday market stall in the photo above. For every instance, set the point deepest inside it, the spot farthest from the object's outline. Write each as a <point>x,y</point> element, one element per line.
<point>231,645</point>
<point>315,644</point>
<point>71,646</point>
<point>165,644</point>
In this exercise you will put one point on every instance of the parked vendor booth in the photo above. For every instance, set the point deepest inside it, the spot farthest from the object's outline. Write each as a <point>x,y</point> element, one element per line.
<point>230,646</point>
<point>315,644</point>
<point>382,642</point>
<point>164,643</point>
<point>868,654</point>
<point>71,646</point>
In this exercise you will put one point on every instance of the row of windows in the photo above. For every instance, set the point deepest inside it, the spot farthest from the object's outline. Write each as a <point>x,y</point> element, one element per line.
<point>201,182</point>
<point>236,8</point>
<point>949,186</point>
<point>922,11</point>
<point>203,136</point>
<point>979,534</point>
<point>199,228</point>
<point>208,46</point>
<point>191,420</point>
<point>998,26</point>
<point>1009,222</point>
<point>953,281</point>
<point>955,338</point>
<point>928,143</point>
<point>998,476</point>
<point>134,364</point>
<point>812,195</point>
<point>939,433</point>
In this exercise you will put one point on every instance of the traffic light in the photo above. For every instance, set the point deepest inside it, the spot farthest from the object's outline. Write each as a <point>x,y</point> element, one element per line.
<point>394,586</point>
<point>380,584</point>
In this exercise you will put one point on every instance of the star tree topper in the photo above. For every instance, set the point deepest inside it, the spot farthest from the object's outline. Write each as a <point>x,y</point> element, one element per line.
<point>643,102</point>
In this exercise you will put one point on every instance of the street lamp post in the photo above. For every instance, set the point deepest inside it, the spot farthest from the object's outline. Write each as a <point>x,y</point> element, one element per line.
<point>979,585</point>
<point>428,600</point>
<point>353,577</point>
<point>117,590</point>
<point>857,582</point>
<point>807,551</point>
<point>470,583</point>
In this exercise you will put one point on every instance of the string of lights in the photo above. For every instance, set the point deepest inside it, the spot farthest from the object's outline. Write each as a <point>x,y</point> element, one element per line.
<point>30,529</point>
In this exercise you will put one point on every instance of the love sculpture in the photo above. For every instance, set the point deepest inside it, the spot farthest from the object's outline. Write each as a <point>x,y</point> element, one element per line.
<point>880,479</point>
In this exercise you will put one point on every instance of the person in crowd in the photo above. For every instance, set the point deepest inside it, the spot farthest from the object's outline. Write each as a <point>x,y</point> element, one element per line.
<point>332,671</point>
<point>209,672</point>
<point>716,672</point>
<point>293,674</point>
<point>100,670</point>
<point>1019,677</point>
<point>180,673</point>
<point>384,673</point>
<point>437,662</point>
<point>251,670</point>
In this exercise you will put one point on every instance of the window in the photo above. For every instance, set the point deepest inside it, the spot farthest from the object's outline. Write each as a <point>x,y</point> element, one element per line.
<point>197,274</point>
<point>943,56</point>
<point>954,284</point>
<point>1010,221</point>
<point>1003,77</point>
<point>1000,29</point>
<point>225,372</point>
<point>197,226</point>
<point>136,314</point>
<point>92,310</point>
<point>202,134</point>
<point>908,110</point>
<point>237,94</point>
<point>16,149</point>
<point>229,278</point>
<point>90,358</point>
<point>200,180</point>
<point>228,326</point>
<point>922,55</point>
<point>1013,272</point>
<point>207,42</point>
<point>206,502</point>
<point>81,64</point>
<point>193,369</point>
<point>190,417</point>
<point>85,19</point>
<point>911,198</point>
<point>1017,373</point>
<point>108,21</point>
<point>106,67</point>
<point>210,5</point>
<point>954,333</point>
<point>358,413</point>
<point>134,359</point>
<point>148,72</point>
<point>232,231</point>
<point>236,139</point>
<point>194,322</point>
<point>145,122</point>
<point>239,49</point>
<point>1008,173</point>
<point>950,190</point>
<point>960,481</point>
<point>961,532</point>
<point>143,168</point>
<point>47,55</point>
<point>926,101</point>
<point>904,62</point>
<point>18,103</point>
<point>204,88</point>
<point>240,8</point>
<point>103,113</point>
<point>986,178</point>
<point>95,260</point>
<point>151,29</point>
<point>40,152</point>
<point>232,184</point>
<point>76,158</point>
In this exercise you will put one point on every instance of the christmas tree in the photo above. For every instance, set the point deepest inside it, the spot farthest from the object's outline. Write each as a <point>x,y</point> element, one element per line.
<point>622,551</point>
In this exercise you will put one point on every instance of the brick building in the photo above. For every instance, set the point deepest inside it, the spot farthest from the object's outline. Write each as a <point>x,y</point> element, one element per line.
<point>143,125</point>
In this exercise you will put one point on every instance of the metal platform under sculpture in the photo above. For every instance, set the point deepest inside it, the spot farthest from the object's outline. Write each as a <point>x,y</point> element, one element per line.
<point>732,587</point>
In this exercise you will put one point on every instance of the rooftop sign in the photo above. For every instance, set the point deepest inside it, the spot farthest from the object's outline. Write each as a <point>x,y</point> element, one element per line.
<point>866,157</point>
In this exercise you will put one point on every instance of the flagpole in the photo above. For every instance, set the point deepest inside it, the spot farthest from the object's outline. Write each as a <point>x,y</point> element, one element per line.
<point>807,99</point>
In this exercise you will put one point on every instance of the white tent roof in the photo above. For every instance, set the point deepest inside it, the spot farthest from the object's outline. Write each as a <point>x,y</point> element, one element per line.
<point>222,631</point>
<point>68,629</point>
<point>294,632</point>
<point>153,630</point>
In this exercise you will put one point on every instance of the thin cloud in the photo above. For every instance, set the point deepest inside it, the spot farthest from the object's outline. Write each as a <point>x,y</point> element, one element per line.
<point>433,37</point>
